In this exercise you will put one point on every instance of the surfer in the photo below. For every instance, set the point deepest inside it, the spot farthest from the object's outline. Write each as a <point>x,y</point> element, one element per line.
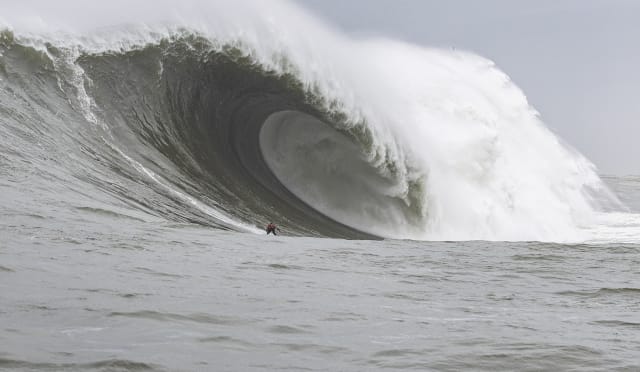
<point>271,228</point>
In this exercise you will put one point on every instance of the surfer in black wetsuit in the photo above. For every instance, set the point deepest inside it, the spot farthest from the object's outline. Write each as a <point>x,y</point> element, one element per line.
<point>271,228</point>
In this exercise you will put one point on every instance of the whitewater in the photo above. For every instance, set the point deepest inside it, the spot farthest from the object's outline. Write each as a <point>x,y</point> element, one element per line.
<point>429,219</point>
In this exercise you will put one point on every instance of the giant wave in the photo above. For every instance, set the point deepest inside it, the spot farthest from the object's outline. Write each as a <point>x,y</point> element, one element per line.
<point>235,115</point>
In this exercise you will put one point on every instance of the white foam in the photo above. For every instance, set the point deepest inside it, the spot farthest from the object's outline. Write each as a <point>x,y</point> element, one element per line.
<point>615,227</point>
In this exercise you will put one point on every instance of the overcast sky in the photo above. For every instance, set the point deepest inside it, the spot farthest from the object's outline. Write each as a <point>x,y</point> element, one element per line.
<point>578,61</point>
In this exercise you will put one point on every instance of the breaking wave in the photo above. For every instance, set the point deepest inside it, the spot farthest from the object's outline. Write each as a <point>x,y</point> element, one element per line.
<point>235,115</point>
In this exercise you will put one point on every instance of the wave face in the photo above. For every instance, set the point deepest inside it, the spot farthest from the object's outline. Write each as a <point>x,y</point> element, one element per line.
<point>235,115</point>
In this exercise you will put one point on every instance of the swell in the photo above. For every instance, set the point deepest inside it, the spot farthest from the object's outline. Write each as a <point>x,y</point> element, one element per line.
<point>103,365</point>
<point>604,292</point>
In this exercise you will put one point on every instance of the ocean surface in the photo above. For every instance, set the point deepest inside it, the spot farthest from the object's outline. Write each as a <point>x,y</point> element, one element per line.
<point>84,289</point>
<point>429,219</point>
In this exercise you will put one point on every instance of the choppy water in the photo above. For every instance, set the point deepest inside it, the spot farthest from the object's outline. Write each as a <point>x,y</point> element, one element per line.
<point>97,291</point>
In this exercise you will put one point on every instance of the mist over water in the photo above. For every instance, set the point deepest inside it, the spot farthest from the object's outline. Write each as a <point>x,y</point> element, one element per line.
<point>143,151</point>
